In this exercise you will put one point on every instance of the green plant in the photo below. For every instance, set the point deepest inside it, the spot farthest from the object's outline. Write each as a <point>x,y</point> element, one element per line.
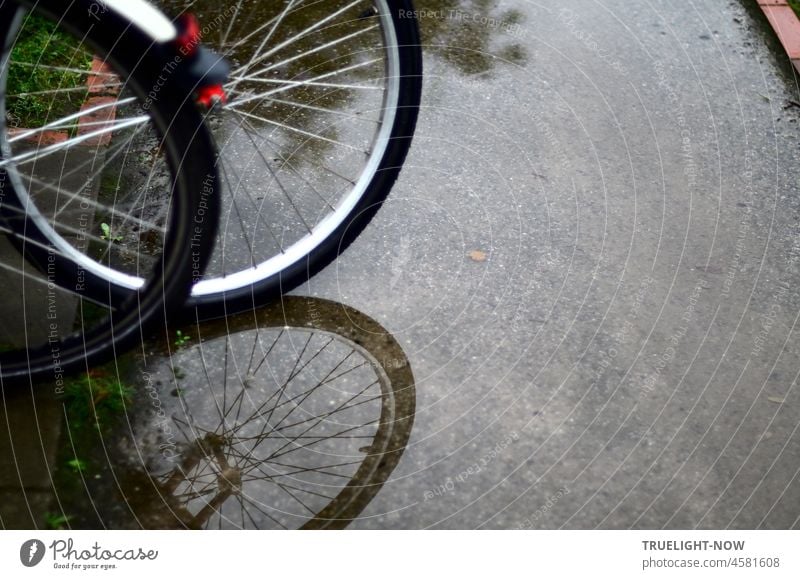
<point>106,233</point>
<point>56,521</point>
<point>181,339</point>
<point>77,465</point>
<point>95,399</point>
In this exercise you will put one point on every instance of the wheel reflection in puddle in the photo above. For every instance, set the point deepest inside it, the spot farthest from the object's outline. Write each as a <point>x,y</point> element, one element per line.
<point>293,416</point>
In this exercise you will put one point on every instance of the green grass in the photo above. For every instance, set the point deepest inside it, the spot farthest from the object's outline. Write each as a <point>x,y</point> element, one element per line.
<point>39,48</point>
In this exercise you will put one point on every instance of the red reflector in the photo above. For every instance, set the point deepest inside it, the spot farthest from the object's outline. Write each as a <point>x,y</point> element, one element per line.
<point>208,96</point>
<point>189,37</point>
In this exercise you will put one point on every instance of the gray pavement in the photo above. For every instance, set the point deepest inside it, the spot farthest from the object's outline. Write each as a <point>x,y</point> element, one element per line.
<point>626,354</point>
<point>29,423</point>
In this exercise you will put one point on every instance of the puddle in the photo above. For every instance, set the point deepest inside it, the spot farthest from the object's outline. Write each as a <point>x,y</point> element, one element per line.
<point>293,416</point>
<point>471,35</point>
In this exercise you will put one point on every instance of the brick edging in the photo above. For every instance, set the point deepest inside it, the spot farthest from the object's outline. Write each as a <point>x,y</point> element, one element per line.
<point>786,25</point>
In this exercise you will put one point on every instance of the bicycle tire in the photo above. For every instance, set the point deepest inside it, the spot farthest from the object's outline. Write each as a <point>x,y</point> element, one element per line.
<point>262,291</point>
<point>133,312</point>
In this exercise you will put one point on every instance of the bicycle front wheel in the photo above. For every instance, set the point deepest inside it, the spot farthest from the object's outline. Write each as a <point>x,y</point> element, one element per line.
<point>323,104</point>
<point>107,192</point>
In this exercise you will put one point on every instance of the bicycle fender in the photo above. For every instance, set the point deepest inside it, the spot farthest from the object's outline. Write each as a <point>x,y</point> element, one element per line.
<point>141,13</point>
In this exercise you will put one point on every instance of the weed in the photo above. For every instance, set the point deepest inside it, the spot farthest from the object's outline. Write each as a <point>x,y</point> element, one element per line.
<point>95,399</point>
<point>106,233</point>
<point>77,465</point>
<point>56,521</point>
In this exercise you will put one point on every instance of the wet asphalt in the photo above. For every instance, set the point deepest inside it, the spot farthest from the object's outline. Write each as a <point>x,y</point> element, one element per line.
<point>591,262</point>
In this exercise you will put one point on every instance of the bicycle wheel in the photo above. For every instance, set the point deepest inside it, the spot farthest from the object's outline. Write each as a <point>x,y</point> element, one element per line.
<point>322,106</point>
<point>293,416</point>
<point>106,191</point>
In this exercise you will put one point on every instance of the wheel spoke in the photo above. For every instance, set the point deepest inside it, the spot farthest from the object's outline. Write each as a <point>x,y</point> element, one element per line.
<point>314,50</point>
<point>301,131</point>
<point>68,143</point>
<point>279,393</point>
<point>277,180</point>
<point>268,36</point>
<point>57,124</point>
<point>325,110</point>
<point>280,46</point>
<point>235,208</point>
<point>300,470</point>
<point>319,419</point>
<point>253,503</point>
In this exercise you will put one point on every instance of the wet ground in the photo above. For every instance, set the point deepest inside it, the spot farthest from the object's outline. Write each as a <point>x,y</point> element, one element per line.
<point>590,264</point>
<point>625,354</point>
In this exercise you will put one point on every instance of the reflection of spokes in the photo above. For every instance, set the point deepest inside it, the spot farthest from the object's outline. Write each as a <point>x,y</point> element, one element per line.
<point>287,425</point>
<point>225,479</point>
<point>269,431</point>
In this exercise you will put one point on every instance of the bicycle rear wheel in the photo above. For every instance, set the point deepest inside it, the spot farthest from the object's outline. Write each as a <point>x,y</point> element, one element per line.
<point>108,203</point>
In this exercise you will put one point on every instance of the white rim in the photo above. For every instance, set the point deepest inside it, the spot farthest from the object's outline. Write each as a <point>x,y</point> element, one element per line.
<point>303,247</point>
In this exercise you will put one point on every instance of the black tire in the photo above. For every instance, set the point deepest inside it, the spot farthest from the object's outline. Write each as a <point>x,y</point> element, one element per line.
<point>190,155</point>
<point>263,291</point>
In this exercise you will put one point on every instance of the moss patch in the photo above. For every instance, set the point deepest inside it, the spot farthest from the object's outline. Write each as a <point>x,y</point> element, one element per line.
<point>94,400</point>
<point>94,405</point>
